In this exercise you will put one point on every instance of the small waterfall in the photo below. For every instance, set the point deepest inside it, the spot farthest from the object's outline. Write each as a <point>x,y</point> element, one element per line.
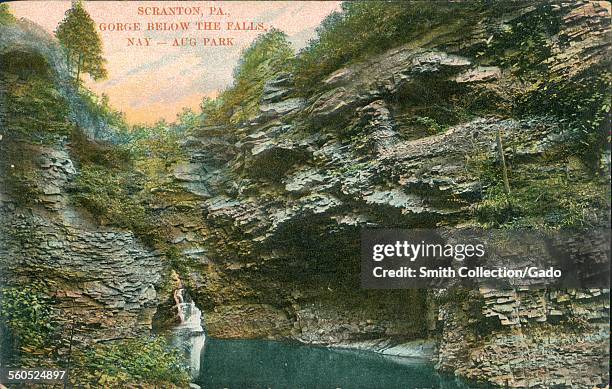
<point>189,335</point>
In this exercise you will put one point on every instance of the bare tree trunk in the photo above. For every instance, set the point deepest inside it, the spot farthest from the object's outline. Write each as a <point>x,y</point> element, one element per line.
<point>502,160</point>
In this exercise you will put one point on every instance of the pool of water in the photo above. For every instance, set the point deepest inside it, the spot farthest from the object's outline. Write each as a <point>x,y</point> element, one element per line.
<point>236,364</point>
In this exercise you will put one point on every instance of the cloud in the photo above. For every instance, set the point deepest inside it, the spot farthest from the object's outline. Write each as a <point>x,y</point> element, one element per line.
<point>158,81</point>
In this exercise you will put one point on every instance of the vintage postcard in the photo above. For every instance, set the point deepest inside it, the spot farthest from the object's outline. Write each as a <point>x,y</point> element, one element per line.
<point>305,194</point>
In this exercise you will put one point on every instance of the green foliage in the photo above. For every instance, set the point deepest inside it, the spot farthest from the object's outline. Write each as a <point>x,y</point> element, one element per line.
<point>5,15</point>
<point>21,182</point>
<point>364,28</point>
<point>100,107</point>
<point>272,48</point>
<point>134,361</point>
<point>156,153</point>
<point>35,110</point>
<point>108,186</point>
<point>524,44</point>
<point>430,125</point>
<point>542,200</point>
<point>21,174</point>
<point>156,149</point>
<point>108,195</point>
<point>187,118</point>
<point>87,152</point>
<point>26,312</point>
<point>582,101</point>
<point>118,184</point>
<point>28,114</point>
<point>212,110</point>
<point>34,107</point>
<point>82,44</point>
<point>267,56</point>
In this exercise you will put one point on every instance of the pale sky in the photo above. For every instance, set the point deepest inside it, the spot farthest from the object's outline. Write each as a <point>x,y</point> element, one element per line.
<point>149,83</point>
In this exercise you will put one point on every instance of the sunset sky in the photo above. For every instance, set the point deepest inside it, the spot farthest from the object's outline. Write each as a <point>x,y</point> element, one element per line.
<point>149,83</point>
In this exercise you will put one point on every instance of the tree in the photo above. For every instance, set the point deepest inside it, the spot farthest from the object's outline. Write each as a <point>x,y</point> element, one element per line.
<point>187,118</point>
<point>267,56</point>
<point>82,44</point>
<point>5,15</point>
<point>363,28</point>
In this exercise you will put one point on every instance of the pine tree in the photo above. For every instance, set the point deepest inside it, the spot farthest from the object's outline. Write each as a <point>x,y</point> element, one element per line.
<point>82,44</point>
<point>5,15</point>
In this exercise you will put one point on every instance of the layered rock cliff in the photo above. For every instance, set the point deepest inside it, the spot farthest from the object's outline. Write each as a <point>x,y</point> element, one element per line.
<point>74,293</point>
<point>285,196</point>
<point>263,218</point>
<point>102,280</point>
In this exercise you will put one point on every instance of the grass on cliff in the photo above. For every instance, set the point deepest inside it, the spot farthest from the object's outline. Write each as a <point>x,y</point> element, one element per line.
<point>124,363</point>
<point>41,338</point>
<point>583,103</point>
<point>360,29</point>
<point>265,58</point>
<point>27,314</point>
<point>365,28</point>
<point>558,196</point>
<point>35,113</point>
<point>130,185</point>
<point>112,189</point>
<point>22,175</point>
<point>35,109</point>
<point>525,47</point>
<point>522,45</point>
<point>107,185</point>
<point>566,187</point>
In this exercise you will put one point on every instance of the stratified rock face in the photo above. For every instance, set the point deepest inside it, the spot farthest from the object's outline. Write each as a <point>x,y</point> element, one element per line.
<point>277,252</point>
<point>269,227</point>
<point>514,337</point>
<point>104,277</point>
<point>103,283</point>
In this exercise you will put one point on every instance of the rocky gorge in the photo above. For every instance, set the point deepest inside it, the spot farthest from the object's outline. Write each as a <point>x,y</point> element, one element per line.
<point>261,219</point>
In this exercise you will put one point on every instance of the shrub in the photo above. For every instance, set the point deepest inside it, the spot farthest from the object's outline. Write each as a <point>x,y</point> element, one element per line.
<point>100,107</point>
<point>117,183</point>
<point>155,151</point>
<point>524,44</point>
<point>429,124</point>
<point>134,361</point>
<point>364,28</point>
<point>26,312</point>
<point>267,56</point>
<point>88,152</point>
<point>110,196</point>
<point>583,102</point>
<point>542,201</point>
<point>36,109</point>
<point>5,15</point>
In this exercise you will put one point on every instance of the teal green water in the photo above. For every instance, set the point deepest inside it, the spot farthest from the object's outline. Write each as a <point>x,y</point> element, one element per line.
<point>237,364</point>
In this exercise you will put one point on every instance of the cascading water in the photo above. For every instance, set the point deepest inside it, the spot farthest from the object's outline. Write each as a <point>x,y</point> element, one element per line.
<point>189,334</point>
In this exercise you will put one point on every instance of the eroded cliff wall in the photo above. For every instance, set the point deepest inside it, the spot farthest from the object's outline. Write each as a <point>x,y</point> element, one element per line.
<point>264,217</point>
<point>101,282</point>
<point>284,196</point>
